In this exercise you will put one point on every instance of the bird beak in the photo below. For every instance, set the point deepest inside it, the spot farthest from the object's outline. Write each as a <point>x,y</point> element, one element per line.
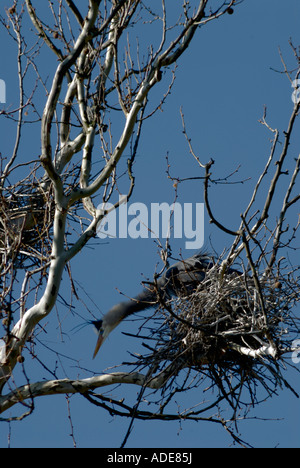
<point>98,344</point>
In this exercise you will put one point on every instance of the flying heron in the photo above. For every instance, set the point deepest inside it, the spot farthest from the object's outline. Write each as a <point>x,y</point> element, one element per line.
<point>180,279</point>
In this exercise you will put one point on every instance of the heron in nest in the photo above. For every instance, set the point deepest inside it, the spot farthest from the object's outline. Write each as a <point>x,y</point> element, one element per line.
<point>180,279</point>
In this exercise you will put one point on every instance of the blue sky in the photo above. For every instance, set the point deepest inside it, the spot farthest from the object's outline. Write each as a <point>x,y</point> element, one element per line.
<point>222,83</point>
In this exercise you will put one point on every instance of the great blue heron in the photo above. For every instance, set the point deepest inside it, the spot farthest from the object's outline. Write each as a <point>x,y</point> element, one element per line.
<point>182,278</point>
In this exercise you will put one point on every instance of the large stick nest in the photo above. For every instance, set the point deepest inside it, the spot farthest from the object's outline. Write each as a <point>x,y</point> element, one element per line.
<point>234,329</point>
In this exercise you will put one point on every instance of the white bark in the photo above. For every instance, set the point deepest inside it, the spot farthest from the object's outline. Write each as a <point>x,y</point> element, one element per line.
<point>67,386</point>
<point>265,350</point>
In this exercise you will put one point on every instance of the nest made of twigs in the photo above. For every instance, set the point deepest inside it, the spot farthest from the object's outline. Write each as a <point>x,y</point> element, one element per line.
<point>26,217</point>
<point>228,329</point>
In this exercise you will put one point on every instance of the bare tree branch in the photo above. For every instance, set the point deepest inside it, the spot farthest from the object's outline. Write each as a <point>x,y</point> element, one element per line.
<point>234,331</point>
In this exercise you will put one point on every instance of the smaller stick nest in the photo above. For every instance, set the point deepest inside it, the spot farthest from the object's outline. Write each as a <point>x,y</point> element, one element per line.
<point>26,216</point>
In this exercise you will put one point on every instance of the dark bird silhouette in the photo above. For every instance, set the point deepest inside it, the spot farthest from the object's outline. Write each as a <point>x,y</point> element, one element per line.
<point>180,279</point>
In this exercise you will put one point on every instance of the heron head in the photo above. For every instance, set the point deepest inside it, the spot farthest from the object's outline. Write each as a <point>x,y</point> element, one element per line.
<point>106,325</point>
<point>103,330</point>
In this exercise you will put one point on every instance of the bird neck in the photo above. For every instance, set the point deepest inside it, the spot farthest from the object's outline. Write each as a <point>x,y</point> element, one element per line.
<point>142,301</point>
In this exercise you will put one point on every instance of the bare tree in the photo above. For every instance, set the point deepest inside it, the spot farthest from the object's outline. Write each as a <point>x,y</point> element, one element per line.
<point>100,86</point>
